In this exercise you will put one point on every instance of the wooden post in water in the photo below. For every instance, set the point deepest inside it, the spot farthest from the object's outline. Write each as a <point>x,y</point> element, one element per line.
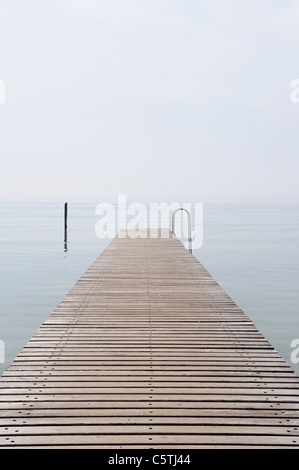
<point>65,216</point>
<point>65,226</point>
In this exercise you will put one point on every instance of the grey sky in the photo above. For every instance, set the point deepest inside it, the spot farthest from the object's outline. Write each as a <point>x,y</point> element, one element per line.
<point>153,98</point>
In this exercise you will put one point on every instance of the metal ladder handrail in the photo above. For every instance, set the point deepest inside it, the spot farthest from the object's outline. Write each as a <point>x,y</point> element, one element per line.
<point>189,225</point>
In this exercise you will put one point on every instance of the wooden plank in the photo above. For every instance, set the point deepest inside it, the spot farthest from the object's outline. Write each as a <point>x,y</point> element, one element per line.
<point>153,439</point>
<point>31,405</point>
<point>152,391</point>
<point>54,385</point>
<point>26,424</point>
<point>253,412</point>
<point>140,429</point>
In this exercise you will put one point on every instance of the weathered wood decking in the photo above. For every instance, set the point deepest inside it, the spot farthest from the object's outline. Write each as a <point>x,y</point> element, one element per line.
<point>148,351</point>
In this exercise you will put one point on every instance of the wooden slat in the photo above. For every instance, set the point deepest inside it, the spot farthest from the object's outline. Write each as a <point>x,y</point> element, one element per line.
<point>148,351</point>
<point>200,440</point>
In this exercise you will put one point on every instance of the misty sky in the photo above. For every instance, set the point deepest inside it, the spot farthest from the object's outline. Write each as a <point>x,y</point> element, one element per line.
<point>156,99</point>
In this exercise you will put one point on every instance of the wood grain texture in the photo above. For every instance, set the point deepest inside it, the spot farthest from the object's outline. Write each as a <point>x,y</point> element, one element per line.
<point>148,351</point>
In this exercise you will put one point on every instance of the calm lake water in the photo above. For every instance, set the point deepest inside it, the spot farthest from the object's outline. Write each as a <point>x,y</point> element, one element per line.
<point>252,250</point>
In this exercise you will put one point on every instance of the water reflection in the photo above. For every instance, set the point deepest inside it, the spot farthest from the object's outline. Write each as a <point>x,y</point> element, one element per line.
<point>65,240</point>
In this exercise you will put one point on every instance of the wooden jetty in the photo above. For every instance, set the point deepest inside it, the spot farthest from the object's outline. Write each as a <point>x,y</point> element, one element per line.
<point>148,351</point>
